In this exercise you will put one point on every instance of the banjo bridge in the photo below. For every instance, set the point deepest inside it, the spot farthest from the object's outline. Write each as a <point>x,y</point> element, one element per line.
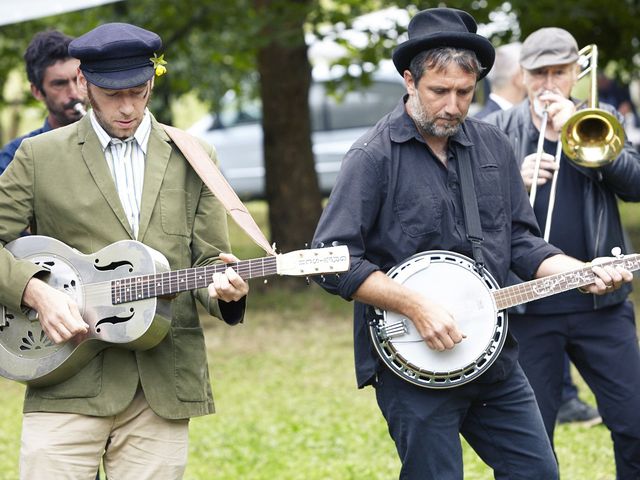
<point>393,329</point>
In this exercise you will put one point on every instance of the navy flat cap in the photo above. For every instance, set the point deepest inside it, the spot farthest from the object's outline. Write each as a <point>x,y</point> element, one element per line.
<point>116,55</point>
<point>443,27</point>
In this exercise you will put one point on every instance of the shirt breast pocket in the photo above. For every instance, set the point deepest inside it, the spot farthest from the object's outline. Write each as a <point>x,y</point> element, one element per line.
<point>491,203</point>
<point>419,212</point>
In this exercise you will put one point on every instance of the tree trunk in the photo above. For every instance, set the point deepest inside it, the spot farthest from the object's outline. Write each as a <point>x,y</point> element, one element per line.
<point>292,188</point>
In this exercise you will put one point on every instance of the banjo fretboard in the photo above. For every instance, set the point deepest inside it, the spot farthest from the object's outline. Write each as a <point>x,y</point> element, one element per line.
<point>561,282</point>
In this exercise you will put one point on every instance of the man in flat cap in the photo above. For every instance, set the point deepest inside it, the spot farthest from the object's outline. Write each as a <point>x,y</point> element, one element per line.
<point>423,186</point>
<point>115,175</point>
<point>599,333</point>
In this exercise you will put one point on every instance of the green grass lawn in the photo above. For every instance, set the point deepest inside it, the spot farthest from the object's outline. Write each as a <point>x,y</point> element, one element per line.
<point>288,408</point>
<point>287,404</point>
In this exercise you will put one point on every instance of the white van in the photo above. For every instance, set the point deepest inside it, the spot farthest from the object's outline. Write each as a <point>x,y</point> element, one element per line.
<point>236,131</point>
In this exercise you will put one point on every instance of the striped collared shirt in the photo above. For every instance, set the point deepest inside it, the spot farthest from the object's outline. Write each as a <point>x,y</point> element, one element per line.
<point>126,164</point>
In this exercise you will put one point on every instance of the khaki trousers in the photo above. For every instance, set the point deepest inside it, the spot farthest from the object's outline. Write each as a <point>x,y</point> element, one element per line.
<point>136,444</point>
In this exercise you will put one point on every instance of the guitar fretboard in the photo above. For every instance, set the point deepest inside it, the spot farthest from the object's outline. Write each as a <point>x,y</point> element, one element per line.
<point>134,288</point>
<point>561,282</point>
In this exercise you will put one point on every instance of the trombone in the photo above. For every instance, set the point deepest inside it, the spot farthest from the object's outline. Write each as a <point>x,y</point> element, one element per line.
<point>591,138</point>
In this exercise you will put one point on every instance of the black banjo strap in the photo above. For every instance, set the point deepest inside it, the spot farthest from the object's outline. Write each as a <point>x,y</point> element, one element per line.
<point>470,206</point>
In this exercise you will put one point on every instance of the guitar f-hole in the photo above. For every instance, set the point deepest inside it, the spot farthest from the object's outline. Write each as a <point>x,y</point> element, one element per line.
<point>115,319</point>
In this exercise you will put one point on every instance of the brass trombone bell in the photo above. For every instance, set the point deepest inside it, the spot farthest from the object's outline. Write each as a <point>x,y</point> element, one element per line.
<point>592,137</point>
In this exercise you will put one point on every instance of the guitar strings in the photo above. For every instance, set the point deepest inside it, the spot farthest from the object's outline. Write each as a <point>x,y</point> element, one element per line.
<point>172,280</point>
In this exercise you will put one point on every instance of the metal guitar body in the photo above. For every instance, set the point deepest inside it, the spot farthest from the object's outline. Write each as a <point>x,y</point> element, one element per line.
<point>26,353</point>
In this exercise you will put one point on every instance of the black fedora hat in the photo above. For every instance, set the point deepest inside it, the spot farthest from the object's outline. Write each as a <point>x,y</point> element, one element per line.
<point>443,27</point>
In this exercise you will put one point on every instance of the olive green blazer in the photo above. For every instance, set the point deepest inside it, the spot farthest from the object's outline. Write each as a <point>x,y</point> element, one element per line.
<point>59,184</point>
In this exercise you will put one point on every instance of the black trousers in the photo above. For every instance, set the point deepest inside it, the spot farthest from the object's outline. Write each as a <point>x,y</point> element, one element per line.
<point>500,421</point>
<point>603,345</point>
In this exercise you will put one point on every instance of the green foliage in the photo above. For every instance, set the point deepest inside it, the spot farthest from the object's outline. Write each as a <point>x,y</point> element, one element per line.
<point>211,46</point>
<point>615,29</point>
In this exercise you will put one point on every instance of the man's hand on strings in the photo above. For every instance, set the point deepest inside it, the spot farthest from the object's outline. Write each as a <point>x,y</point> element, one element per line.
<point>228,286</point>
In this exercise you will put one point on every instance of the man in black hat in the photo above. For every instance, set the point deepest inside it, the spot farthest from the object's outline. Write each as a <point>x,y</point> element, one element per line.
<point>599,333</point>
<point>399,193</point>
<point>115,175</point>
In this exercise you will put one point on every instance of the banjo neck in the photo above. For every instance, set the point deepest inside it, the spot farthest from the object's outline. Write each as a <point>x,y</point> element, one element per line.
<point>561,282</point>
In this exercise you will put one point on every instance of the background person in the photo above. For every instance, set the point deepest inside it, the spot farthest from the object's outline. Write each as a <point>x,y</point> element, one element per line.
<point>115,175</point>
<point>505,80</point>
<point>397,194</point>
<point>599,334</point>
<point>52,73</point>
<point>618,95</point>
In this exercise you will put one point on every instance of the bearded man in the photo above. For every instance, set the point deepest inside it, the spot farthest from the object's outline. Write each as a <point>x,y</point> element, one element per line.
<point>398,194</point>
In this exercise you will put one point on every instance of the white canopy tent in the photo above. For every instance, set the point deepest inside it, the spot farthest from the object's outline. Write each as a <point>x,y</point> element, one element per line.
<point>16,11</point>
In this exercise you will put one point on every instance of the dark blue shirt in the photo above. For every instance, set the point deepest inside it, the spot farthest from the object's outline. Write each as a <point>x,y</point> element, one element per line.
<point>10,149</point>
<point>393,198</point>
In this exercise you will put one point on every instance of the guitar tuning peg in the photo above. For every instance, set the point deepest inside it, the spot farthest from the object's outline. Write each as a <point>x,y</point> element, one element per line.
<point>321,245</point>
<point>322,279</point>
<point>307,280</point>
<point>265,281</point>
<point>335,243</point>
<point>616,252</point>
<point>306,244</point>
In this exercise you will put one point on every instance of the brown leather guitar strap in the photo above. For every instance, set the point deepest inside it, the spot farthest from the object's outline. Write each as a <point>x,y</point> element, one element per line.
<point>218,185</point>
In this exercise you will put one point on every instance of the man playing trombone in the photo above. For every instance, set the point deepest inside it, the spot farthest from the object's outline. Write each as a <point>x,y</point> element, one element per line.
<point>576,165</point>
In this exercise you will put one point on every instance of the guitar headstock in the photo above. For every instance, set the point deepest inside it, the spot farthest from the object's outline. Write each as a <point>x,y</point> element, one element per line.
<point>314,261</point>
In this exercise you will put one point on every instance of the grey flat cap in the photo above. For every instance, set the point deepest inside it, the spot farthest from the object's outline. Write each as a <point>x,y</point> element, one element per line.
<point>548,46</point>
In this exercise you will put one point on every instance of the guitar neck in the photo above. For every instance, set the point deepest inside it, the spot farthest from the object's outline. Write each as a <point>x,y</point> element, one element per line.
<point>134,288</point>
<point>558,283</point>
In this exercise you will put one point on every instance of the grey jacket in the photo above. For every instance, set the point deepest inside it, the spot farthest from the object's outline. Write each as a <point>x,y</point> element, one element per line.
<point>620,179</point>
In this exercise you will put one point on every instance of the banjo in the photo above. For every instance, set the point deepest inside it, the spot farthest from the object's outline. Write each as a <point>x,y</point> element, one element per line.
<point>121,292</point>
<point>478,305</point>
